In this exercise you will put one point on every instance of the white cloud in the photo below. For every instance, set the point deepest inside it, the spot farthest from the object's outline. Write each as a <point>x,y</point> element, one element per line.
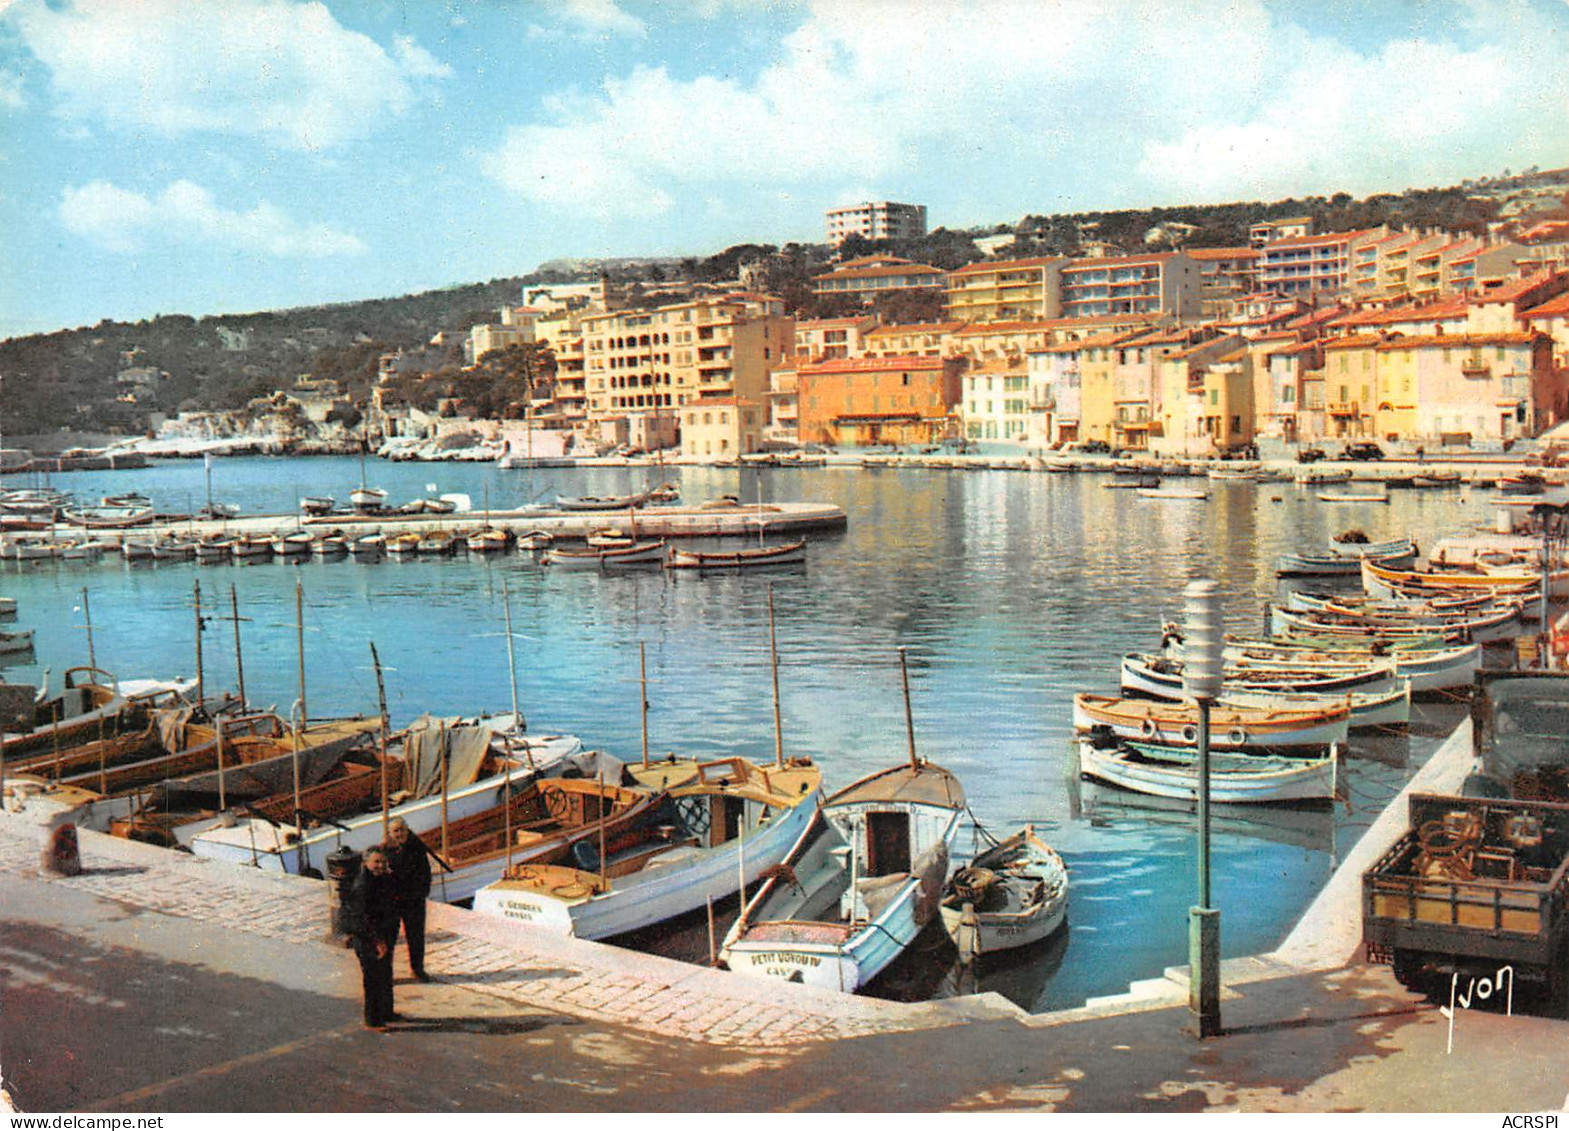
<point>123,220</point>
<point>1115,103</point>
<point>281,70</point>
<point>587,19</point>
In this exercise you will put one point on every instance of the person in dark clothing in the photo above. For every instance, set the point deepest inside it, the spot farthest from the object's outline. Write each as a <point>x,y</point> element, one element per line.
<point>373,925</point>
<point>410,861</point>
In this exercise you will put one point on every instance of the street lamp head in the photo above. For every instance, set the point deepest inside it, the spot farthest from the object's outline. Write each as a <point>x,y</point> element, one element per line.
<point>1203,665</point>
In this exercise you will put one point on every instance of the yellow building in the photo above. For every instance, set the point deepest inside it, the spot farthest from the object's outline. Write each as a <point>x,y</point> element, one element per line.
<point>1098,362</point>
<point>722,427</point>
<point>645,365</point>
<point>1206,399</point>
<point>1351,384</point>
<point>1009,290</point>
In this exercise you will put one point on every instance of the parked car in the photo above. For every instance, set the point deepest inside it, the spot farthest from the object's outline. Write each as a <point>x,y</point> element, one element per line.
<point>1362,449</point>
<point>1098,447</point>
<point>1311,455</point>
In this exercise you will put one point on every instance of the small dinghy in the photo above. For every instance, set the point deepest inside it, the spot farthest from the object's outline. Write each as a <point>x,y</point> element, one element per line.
<point>1011,895</point>
<point>1166,771</point>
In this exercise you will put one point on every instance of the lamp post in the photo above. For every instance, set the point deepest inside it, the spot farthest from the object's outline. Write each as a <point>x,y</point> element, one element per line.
<point>1202,672</point>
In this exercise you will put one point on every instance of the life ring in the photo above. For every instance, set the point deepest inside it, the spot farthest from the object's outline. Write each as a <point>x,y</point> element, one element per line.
<point>1148,728</point>
<point>1237,736</point>
<point>1190,733</point>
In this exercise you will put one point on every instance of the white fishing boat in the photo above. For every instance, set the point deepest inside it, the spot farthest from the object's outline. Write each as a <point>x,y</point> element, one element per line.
<point>487,542</point>
<point>368,499</point>
<point>83,550</point>
<point>1354,544</point>
<point>249,550</point>
<point>858,886</point>
<point>368,547</point>
<point>1160,676</point>
<point>137,550</point>
<point>318,504</point>
<point>1176,724</point>
<point>403,545</point>
<point>1451,668</point>
<point>34,550</point>
<point>292,545</point>
<point>7,606</point>
<point>174,549</point>
<point>1503,624</point>
<point>1369,709</point>
<point>1011,895</point>
<point>1234,778</point>
<point>332,544</point>
<point>14,642</point>
<point>724,829</point>
<point>1192,493</point>
<point>214,551</point>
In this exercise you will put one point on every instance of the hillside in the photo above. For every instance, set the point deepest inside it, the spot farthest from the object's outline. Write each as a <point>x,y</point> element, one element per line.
<point>73,378</point>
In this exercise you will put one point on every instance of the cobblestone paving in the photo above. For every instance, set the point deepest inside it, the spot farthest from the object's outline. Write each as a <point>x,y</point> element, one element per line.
<point>293,909</point>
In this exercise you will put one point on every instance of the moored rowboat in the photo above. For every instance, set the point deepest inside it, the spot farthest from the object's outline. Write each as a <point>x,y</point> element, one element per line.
<point>1176,724</point>
<point>1233,778</point>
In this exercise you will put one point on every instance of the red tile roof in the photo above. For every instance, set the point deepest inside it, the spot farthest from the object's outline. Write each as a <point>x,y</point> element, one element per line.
<point>1315,241</point>
<point>1553,308</point>
<point>982,329</point>
<point>1209,253</point>
<point>1097,263</point>
<point>880,272</point>
<point>917,328</point>
<point>1001,265</point>
<point>1508,338</point>
<point>869,364</point>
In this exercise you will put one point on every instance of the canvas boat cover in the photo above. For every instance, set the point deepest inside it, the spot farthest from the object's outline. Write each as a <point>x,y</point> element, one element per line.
<point>927,785</point>
<point>429,741</point>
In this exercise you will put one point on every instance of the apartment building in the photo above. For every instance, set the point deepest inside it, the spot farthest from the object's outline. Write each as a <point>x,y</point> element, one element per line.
<point>986,341</point>
<point>1312,265</point>
<point>876,220</point>
<point>1054,395</point>
<point>924,339</point>
<point>641,366</point>
<point>1227,275</point>
<point>1288,391</point>
<point>869,276</point>
<point>1397,265</point>
<point>1350,380</point>
<point>1206,399</point>
<point>877,400</point>
<point>820,338</point>
<point>1007,290</point>
<point>784,413</point>
<point>1168,283</point>
<point>1477,387</point>
<point>995,400</point>
<point>1552,318</point>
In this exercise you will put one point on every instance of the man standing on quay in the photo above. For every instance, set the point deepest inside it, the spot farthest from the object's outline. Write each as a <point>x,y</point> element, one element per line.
<point>373,924</point>
<point>410,861</point>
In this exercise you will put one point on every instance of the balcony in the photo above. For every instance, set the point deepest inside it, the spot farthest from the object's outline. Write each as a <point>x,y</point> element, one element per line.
<point>1475,367</point>
<point>1344,408</point>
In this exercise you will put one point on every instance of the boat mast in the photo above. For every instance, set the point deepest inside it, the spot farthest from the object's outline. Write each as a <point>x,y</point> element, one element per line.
<point>642,679</point>
<point>299,632</point>
<point>298,721</point>
<point>909,719</point>
<point>381,699</point>
<point>239,659</point>
<point>196,603</point>
<point>87,615</point>
<point>512,660</point>
<point>773,660</point>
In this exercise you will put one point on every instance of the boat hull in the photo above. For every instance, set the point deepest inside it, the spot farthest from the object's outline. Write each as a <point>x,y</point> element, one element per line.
<point>1230,782</point>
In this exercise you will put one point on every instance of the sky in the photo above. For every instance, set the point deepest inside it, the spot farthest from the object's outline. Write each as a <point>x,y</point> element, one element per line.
<point>222,156</point>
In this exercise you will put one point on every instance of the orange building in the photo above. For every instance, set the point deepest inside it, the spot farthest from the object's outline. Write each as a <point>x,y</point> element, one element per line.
<point>877,400</point>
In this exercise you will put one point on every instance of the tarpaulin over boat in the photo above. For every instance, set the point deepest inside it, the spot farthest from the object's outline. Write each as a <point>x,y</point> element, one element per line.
<point>928,785</point>
<point>429,740</point>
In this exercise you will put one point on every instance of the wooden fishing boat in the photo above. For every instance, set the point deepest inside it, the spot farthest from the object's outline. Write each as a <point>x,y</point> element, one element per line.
<point>1482,628</point>
<point>1161,677</point>
<point>1233,474</point>
<point>789,553</point>
<point>82,549</point>
<point>1369,709</point>
<point>858,886</point>
<point>1439,604</point>
<point>1523,483</point>
<point>137,550</point>
<point>639,554</point>
<point>7,606</point>
<point>473,786</point>
<point>292,545</point>
<point>90,698</point>
<point>1434,479</point>
<point>1333,565</point>
<point>251,549</point>
<point>535,541</point>
<point>368,548</point>
<point>437,544</point>
<point>214,550</point>
<point>1234,779</point>
<point>664,493</point>
<point>1451,668</point>
<point>1011,895</point>
<point>332,544</point>
<point>1353,497</point>
<point>318,504</point>
<point>368,499</point>
<point>1384,581</point>
<point>107,518</point>
<point>730,824</point>
<point>487,542</point>
<point>403,545</point>
<point>1319,478</point>
<point>1176,724</point>
<point>1191,493</point>
<point>174,549</point>
<point>549,820</point>
<point>128,499</point>
<point>34,550</point>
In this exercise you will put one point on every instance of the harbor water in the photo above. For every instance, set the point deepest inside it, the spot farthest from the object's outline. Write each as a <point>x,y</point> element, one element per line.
<point>1010,590</point>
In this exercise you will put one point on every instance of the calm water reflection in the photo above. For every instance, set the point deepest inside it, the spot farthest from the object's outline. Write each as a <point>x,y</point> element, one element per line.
<point>1011,591</point>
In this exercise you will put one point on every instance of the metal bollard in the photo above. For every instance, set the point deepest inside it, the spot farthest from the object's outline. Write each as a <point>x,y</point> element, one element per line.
<point>343,864</point>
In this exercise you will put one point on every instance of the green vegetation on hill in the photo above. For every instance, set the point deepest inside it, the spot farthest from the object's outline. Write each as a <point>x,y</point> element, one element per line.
<point>72,378</point>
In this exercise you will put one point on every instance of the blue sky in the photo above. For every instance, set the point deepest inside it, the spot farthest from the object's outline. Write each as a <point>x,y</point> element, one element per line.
<point>210,156</point>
